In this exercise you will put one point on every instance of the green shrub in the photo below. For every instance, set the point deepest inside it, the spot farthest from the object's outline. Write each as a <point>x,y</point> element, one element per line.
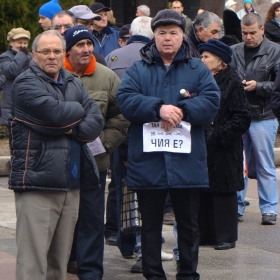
<point>24,13</point>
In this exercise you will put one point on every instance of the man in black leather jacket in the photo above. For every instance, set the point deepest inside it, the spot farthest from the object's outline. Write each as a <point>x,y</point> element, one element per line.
<point>256,61</point>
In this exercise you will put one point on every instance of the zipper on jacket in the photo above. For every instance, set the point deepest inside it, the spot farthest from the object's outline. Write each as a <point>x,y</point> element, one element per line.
<point>26,160</point>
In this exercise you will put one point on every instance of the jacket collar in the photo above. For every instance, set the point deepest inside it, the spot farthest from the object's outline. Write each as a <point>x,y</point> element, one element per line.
<point>150,54</point>
<point>90,69</point>
<point>263,48</point>
<point>193,37</point>
<point>106,30</point>
<point>138,38</point>
<point>39,72</point>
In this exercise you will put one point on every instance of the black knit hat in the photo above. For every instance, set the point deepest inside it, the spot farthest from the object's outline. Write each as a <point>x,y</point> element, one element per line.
<point>167,17</point>
<point>76,34</point>
<point>218,48</point>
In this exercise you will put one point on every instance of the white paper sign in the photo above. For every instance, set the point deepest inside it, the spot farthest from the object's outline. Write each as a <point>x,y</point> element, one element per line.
<point>96,147</point>
<point>176,140</point>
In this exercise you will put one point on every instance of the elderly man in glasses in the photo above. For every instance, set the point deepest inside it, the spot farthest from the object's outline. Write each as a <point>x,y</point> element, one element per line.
<point>53,119</point>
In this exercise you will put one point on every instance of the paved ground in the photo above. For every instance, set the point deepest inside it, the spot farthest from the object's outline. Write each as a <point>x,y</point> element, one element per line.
<point>256,257</point>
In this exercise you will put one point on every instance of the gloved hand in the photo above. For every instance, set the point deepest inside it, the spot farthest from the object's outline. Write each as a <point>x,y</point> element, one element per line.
<point>24,50</point>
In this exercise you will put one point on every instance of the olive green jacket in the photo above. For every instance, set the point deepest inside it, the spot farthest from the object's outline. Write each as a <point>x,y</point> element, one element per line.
<point>102,84</point>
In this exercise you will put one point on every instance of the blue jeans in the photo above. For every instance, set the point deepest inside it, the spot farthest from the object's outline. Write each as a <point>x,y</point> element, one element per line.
<point>261,135</point>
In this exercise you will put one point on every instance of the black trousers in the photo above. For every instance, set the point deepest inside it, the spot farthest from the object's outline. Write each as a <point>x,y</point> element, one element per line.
<point>218,219</point>
<point>111,225</point>
<point>186,206</point>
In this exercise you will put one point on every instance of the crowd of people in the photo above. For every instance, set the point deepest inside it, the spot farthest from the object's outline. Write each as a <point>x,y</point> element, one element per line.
<point>93,96</point>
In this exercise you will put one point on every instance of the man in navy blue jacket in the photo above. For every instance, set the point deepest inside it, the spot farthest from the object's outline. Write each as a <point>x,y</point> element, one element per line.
<point>105,37</point>
<point>150,93</point>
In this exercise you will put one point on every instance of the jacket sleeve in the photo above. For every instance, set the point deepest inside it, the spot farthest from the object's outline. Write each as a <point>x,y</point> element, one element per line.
<point>265,86</point>
<point>202,108</point>
<point>238,121</point>
<point>2,80</point>
<point>11,68</point>
<point>271,30</point>
<point>90,127</point>
<point>134,106</point>
<point>36,108</point>
<point>275,97</point>
<point>116,125</point>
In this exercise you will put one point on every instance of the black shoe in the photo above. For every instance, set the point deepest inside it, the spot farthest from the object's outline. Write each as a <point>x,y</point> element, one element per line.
<point>178,265</point>
<point>246,202</point>
<point>224,246</point>
<point>72,267</point>
<point>268,219</point>
<point>112,240</point>
<point>240,218</point>
<point>137,267</point>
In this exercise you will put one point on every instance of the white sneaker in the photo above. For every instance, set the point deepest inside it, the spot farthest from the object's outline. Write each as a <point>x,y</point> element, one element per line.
<point>166,257</point>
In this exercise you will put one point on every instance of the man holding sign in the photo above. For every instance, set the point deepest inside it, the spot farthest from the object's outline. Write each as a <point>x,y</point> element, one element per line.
<point>149,96</point>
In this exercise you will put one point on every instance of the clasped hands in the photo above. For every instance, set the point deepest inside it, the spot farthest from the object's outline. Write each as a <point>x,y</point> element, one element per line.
<point>170,115</point>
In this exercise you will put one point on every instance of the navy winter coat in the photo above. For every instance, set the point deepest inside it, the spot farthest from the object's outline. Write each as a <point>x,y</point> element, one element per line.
<point>12,64</point>
<point>147,85</point>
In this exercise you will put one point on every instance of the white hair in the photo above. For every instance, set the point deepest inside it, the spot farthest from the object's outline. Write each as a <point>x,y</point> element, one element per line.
<point>144,9</point>
<point>142,26</point>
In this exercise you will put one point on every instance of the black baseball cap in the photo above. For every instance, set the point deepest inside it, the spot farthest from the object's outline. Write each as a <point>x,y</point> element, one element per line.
<point>97,7</point>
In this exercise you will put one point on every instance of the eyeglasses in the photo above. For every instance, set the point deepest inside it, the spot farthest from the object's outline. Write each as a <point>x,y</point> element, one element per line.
<point>65,27</point>
<point>47,52</point>
<point>86,23</point>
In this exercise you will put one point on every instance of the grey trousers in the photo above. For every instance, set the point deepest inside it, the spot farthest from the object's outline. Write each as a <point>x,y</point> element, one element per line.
<point>44,233</point>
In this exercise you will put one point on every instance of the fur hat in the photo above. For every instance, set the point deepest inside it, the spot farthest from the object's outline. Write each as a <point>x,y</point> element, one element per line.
<point>49,9</point>
<point>76,34</point>
<point>218,48</point>
<point>168,17</point>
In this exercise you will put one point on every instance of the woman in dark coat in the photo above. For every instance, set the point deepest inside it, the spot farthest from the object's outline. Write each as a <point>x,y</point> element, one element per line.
<point>218,217</point>
<point>232,23</point>
<point>272,23</point>
<point>12,63</point>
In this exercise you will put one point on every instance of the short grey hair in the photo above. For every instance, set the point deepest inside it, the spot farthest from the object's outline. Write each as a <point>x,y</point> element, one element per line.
<point>251,19</point>
<point>62,14</point>
<point>144,9</point>
<point>205,19</point>
<point>142,26</point>
<point>53,32</point>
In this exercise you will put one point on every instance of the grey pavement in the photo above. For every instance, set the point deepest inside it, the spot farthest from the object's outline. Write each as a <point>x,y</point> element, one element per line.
<point>256,256</point>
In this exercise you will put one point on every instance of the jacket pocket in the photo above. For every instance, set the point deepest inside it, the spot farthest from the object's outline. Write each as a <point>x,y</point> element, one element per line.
<point>40,156</point>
